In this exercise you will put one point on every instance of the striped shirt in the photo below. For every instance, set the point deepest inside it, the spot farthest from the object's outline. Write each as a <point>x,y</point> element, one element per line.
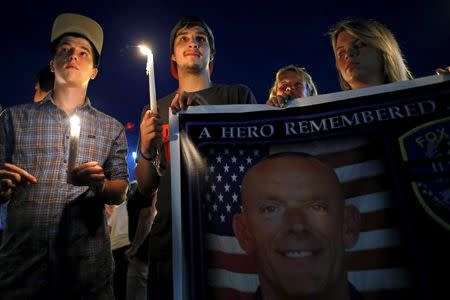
<point>36,138</point>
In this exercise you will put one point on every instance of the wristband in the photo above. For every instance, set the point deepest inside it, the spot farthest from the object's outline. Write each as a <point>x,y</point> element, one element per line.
<point>155,160</point>
<point>146,157</point>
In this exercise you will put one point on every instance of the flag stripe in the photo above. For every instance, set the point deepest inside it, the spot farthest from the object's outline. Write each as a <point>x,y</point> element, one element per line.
<point>238,281</point>
<point>377,220</point>
<point>228,244</point>
<point>322,147</point>
<point>382,279</point>
<point>371,202</point>
<point>406,293</point>
<point>349,157</point>
<point>375,239</point>
<point>370,168</point>
<point>365,186</point>
<point>232,262</point>
<point>376,259</point>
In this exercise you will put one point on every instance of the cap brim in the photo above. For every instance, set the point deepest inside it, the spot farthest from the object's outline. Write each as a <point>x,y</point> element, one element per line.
<point>74,23</point>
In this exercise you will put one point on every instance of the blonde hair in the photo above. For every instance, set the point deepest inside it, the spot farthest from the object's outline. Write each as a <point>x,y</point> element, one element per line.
<point>380,38</point>
<point>310,85</point>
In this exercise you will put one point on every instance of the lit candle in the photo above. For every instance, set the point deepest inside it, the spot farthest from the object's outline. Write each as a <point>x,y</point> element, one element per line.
<point>74,138</point>
<point>150,68</point>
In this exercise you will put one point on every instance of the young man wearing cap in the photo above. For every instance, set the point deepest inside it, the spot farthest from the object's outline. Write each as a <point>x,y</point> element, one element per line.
<point>192,56</point>
<point>56,243</point>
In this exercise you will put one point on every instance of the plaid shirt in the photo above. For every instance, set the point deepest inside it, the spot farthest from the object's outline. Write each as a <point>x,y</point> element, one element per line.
<point>36,138</point>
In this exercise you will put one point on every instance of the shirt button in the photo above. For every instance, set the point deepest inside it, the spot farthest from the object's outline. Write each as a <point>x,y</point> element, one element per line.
<point>65,161</point>
<point>67,137</point>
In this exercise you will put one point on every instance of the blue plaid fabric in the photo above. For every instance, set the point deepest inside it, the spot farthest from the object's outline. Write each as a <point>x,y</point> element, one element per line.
<point>36,138</point>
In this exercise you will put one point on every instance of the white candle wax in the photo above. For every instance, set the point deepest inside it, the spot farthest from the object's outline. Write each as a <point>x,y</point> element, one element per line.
<point>150,68</point>
<point>74,138</point>
<point>151,82</point>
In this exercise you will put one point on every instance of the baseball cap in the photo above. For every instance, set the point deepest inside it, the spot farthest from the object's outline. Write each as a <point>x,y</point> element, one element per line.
<point>75,23</point>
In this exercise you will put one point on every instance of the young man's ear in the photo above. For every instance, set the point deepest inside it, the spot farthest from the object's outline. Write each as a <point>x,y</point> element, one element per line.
<point>172,58</point>
<point>94,73</point>
<point>240,229</point>
<point>352,226</point>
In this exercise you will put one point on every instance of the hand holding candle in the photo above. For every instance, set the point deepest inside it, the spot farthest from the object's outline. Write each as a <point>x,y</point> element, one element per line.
<point>74,139</point>
<point>150,68</point>
<point>90,174</point>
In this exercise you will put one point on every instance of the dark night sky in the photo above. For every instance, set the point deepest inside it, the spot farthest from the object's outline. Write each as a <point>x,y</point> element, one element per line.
<point>253,39</point>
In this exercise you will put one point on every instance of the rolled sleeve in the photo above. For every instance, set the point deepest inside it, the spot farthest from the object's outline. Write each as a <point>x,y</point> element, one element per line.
<point>116,164</point>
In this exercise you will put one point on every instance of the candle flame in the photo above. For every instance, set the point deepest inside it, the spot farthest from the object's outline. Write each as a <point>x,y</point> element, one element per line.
<point>75,126</point>
<point>144,49</point>
<point>74,121</point>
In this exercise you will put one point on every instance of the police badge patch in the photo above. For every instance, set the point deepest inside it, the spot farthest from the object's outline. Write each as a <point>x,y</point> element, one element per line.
<point>425,152</point>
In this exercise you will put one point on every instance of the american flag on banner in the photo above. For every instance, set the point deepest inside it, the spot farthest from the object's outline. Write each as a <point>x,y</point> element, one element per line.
<point>231,274</point>
<point>376,265</point>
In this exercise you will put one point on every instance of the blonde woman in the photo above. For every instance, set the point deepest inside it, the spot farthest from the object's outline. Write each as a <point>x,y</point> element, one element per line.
<point>291,82</point>
<point>367,54</point>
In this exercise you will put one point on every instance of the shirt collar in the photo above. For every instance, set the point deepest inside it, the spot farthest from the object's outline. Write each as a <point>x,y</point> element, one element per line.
<point>49,99</point>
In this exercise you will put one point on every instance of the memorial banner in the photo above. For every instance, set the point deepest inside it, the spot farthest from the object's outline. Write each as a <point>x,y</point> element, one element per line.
<point>390,148</point>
